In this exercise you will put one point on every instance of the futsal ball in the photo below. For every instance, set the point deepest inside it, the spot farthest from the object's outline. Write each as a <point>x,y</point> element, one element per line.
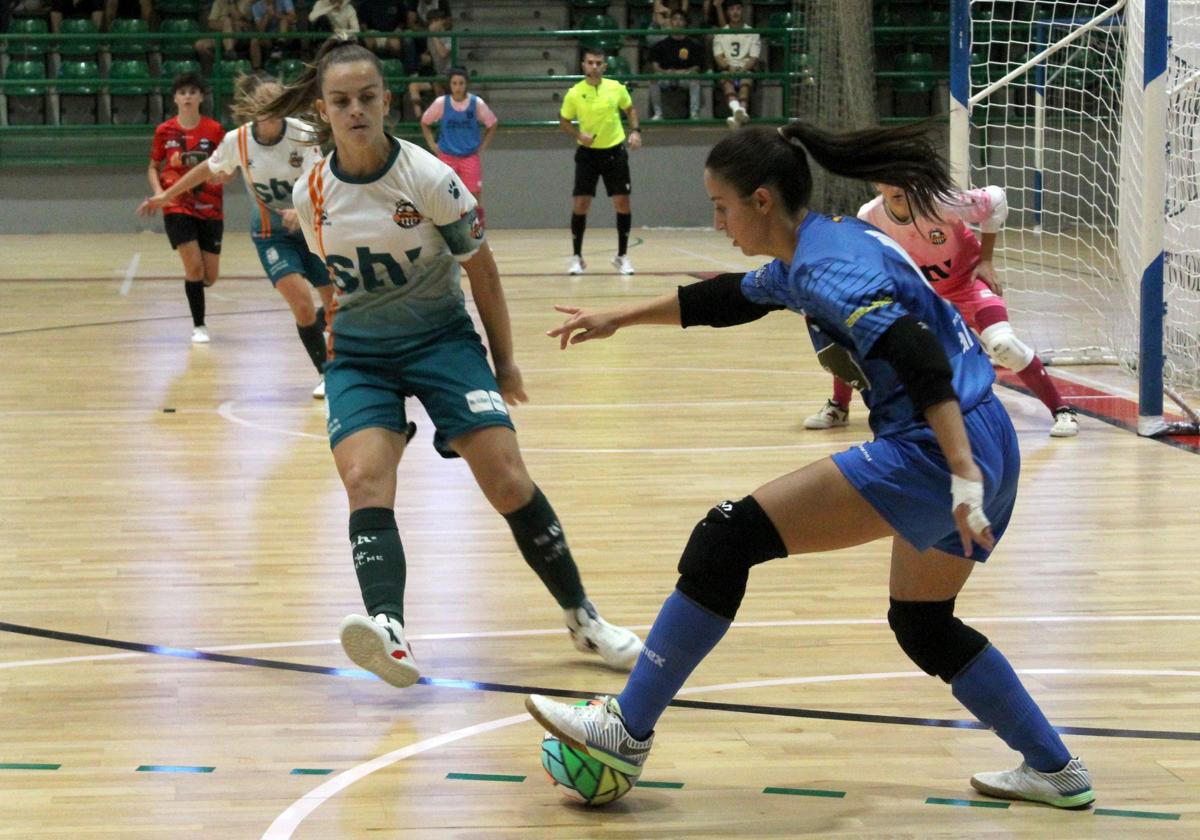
<point>580,777</point>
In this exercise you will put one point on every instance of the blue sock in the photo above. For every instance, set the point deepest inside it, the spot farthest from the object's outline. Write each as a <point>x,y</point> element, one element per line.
<point>682,635</point>
<point>992,691</point>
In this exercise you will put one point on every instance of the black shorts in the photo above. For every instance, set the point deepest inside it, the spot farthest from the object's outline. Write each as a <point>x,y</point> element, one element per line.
<point>611,164</point>
<point>182,228</point>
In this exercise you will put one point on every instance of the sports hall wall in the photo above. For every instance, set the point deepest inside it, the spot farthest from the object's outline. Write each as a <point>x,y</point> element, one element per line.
<point>528,174</point>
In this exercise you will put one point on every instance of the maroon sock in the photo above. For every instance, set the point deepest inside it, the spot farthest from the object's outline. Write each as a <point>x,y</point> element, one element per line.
<point>1037,380</point>
<point>842,393</point>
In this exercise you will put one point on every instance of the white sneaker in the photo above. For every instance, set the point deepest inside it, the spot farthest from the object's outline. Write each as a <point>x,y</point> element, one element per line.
<point>1070,787</point>
<point>378,645</point>
<point>622,263</point>
<point>319,391</point>
<point>1066,424</point>
<point>830,415</point>
<point>199,335</point>
<point>597,728</point>
<point>576,265</point>
<point>737,118</point>
<point>618,647</point>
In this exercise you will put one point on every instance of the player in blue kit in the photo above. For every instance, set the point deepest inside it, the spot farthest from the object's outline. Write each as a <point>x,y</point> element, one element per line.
<point>940,477</point>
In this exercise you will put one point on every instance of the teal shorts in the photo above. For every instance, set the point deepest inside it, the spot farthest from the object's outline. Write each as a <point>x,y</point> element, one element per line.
<point>285,253</point>
<point>449,374</point>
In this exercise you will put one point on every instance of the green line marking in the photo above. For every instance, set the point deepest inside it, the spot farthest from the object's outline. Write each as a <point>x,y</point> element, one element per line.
<point>1145,815</point>
<point>831,794</point>
<point>484,777</point>
<point>669,785</point>
<point>173,768</point>
<point>18,765</point>
<point>968,803</point>
<point>310,771</point>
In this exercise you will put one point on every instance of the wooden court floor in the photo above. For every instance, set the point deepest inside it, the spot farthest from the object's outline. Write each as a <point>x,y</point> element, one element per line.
<point>174,566</point>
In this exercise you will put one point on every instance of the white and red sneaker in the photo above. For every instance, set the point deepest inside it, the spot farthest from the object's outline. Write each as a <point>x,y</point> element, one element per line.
<point>378,645</point>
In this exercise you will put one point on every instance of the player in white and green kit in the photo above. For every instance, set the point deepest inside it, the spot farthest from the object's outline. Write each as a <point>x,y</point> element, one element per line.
<point>273,155</point>
<point>393,224</point>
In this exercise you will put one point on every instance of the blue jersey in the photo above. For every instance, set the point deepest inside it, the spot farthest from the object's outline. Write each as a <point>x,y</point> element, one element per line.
<point>851,282</point>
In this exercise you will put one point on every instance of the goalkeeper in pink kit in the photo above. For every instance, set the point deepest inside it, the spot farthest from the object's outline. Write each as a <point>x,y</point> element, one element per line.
<point>959,267</point>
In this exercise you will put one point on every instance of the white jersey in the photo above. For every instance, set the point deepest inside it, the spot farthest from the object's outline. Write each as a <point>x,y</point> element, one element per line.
<point>392,244</point>
<point>270,170</point>
<point>736,46</point>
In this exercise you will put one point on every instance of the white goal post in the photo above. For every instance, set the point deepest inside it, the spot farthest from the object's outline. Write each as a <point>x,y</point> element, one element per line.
<point>1088,115</point>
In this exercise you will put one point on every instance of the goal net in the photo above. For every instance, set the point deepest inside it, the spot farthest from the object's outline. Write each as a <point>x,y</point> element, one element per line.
<point>1088,115</point>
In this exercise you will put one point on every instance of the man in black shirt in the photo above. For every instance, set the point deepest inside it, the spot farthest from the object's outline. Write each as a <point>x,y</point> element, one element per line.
<point>677,54</point>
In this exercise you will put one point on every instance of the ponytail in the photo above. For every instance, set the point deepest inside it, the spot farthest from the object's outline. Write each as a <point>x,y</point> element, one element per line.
<point>296,99</point>
<point>901,156</point>
<point>251,92</point>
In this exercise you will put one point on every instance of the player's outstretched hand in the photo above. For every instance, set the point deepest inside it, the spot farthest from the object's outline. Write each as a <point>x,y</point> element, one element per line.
<point>148,207</point>
<point>966,499</point>
<point>582,326</point>
<point>512,385</point>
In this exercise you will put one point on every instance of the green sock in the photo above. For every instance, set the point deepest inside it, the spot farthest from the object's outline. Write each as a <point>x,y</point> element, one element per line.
<point>378,560</point>
<point>540,537</point>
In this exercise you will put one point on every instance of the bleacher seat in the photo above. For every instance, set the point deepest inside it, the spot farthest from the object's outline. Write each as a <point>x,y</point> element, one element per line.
<point>229,69</point>
<point>129,48</point>
<point>172,68</point>
<point>290,69</point>
<point>777,45</point>
<point>27,102</point>
<point>638,13</point>
<point>178,8</point>
<point>85,42</point>
<point>77,103</point>
<point>26,26</point>
<point>609,43</point>
<point>911,94</point>
<point>179,46</point>
<point>581,9</point>
<point>131,91</point>
<point>619,69</point>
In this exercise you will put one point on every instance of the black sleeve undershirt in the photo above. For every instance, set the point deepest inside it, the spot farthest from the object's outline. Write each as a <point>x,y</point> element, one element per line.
<point>919,360</point>
<point>719,302</point>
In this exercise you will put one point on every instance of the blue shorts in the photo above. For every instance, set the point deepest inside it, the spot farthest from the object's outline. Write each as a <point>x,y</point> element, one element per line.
<point>449,374</point>
<point>906,479</point>
<point>285,253</point>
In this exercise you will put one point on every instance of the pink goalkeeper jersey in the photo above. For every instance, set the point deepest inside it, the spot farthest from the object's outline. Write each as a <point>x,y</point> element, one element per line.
<point>946,250</point>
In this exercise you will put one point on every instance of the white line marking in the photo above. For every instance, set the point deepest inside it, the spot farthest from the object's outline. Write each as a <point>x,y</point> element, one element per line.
<point>130,271</point>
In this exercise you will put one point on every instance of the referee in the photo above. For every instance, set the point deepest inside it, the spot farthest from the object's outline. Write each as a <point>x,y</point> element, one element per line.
<point>596,102</point>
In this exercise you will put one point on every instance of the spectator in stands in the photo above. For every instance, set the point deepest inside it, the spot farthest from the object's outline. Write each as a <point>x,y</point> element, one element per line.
<point>382,16</point>
<point>677,54</point>
<point>418,11</point>
<point>226,16</point>
<point>712,14</point>
<point>127,9</point>
<point>433,59</point>
<point>737,52</point>
<point>333,16</point>
<point>271,16</point>
<point>661,19</point>
<point>465,128</point>
<point>60,9</point>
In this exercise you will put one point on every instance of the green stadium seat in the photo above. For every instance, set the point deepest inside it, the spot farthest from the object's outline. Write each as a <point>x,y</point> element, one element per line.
<point>228,70</point>
<point>180,26</point>
<point>979,70</point>
<point>26,26</point>
<point>130,84</point>
<point>27,102</point>
<point>77,103</point>
<point>609,43</point>
<point>178,8</point>
<point>619,68</point>
<point>85,38</point>
<point>778,20</point>
<point>129,47</point>
<point>914,62</point>
<point>171,69</point>
<point>290,69</point>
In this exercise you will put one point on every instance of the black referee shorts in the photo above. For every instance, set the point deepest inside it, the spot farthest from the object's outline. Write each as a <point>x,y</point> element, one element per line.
<point>611,164</point>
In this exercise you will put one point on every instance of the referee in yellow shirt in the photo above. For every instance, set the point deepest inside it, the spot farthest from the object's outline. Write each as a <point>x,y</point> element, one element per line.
<point>597,102</point>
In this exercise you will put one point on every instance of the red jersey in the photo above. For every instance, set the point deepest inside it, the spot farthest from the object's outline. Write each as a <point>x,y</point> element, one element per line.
<point>176,150</point>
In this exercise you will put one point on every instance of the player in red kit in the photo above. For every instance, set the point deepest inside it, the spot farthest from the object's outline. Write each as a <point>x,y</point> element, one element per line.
<point>194,222</point>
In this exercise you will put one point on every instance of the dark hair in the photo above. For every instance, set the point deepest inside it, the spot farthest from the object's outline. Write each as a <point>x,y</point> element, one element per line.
<point>595,51</point>
<point>297,98</point>
<point>902,156</point>
<point>457,71</point>
<point>189,79</point>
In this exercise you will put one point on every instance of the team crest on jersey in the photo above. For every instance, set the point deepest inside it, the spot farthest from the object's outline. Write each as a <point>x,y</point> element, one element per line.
<point>323,221</point>
<point>295,159</point>
<point>937,237</point>
<point>477,228</point>
<point>406,214</point>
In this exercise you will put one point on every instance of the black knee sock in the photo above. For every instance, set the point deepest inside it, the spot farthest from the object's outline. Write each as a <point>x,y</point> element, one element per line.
<point>540,538</point>
<point>578,226</point>
<point>313,339</point>
<point>624,222</point>
<point>195,299</point>
<point>378,560</point>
